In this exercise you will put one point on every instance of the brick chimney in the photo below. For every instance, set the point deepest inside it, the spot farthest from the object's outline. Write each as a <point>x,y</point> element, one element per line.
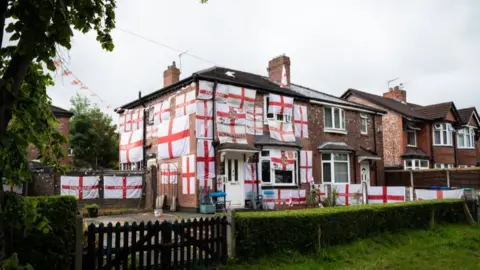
<point>397,93</point>
<point>171,75</point>
<point>275,67</point>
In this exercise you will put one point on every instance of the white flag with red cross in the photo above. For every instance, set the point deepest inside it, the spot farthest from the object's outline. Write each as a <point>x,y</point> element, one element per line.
<point>122,187</point>
<point>255,120</point>
<point>282,160</point>
<point>82,187</point>
<point>281,131</point>
<point>280,104</point>
<point>231,126</point>
<point>284,81</point>
<point>306,166</point>
<point>241,97</point>
<point>251,180</point>
<point>136,119</point>
<point>185,104</point>
<point>205,163</point>
<point>168,173</point>
<point>428,194</point>
<point>152,132</point>
<point>13,188</point>
<point>131,146</point>
<point>173,138</point>
<point>292,196</point>
<point>221,93</point>
<point>322,192</point>
<point>384,194</point>
<point>205,90</point>
<point>188,174</point>
<point>161,111</point>
<point>300,121</point>
<point>204,119</point>
<point>125,120</point>
<point>348,194</point>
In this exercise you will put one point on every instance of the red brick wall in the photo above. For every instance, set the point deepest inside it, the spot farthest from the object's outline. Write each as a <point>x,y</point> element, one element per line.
<point>444,154</point>
<point>424,139</point>
<point>467,156</point>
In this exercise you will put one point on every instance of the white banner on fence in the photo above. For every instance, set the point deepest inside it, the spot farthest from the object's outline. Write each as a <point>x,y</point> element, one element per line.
<point>13,188</point>
<point>284,196</point>
<point>348,194</point>
<point>384,194</point>
<point>427,194</point>
<point>82,187</point>
<point>122,187</point>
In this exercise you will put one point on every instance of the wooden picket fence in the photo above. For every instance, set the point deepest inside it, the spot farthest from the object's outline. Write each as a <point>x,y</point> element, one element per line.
<point>180,245</point>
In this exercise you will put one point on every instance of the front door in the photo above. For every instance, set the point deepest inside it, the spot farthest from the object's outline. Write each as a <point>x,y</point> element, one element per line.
<point>234,182</point>
<point>365,172</point>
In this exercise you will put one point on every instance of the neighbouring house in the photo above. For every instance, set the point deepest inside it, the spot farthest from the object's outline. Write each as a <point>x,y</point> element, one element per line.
<point>244,133</point>
<point>422,137</point>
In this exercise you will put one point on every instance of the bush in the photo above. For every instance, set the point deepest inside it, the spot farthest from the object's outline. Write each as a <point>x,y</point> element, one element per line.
<point>54,247</point>
<point>262,233</point>
<point>91,206</point>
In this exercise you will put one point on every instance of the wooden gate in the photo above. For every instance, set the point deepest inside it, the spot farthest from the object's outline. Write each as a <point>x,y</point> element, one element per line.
<point>180,245</point>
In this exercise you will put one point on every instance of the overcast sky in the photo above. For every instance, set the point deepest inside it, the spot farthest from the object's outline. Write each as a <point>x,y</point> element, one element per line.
<point>432,46</point>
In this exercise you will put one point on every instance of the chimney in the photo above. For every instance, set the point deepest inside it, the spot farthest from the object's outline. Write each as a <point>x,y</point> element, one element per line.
<point>171,75</point>
<point>396,93</point>
<point>275,67</point>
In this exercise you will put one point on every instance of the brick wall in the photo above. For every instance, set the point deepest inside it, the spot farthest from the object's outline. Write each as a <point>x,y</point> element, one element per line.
<point>444,154</point>
<point>63,128</point>
<point>467,157</point>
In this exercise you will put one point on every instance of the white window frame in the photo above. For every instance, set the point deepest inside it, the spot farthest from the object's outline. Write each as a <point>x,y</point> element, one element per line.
<point>363,118</point>
<point>443,166</point>
<point>287,118</point>
<point>442,127</point>
<point>466,166</point>
<point>341,129</point>
<point>468,134</point>
<point>414,164</point>
<point>332,162</point>
<point>272,170</point>
<point>414,135</point>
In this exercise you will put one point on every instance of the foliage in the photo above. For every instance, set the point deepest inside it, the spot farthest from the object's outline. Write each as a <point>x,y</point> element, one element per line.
<point>91,206</point>
<point>12,263</point>
<point>262,233</point>
<point>312,198</point>
<point>44,249</point>
<point>92,136</point>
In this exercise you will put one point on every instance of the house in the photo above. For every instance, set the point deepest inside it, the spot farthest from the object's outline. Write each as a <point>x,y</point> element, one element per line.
<point>225,129</point>
<point>422,137</point>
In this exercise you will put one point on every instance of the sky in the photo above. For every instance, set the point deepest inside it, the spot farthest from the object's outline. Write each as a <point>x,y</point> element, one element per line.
<point>432,46</point>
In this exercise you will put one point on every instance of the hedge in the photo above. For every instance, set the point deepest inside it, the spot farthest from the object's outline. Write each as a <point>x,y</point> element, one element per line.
<point>263,233</point>
<point>52,250</point>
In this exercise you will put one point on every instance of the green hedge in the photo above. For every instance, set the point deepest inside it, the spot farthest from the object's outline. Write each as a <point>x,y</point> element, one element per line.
<point>52,250</point>
<point>262,233</point>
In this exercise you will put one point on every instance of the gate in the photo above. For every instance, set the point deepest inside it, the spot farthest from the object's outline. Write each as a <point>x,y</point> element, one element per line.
<point>180,245</point>
<point>167,182</point>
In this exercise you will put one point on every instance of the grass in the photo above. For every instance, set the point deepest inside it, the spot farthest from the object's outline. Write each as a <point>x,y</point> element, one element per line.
<point>451,247</point>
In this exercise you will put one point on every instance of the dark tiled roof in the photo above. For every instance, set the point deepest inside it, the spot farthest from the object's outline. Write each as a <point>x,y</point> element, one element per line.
<point>335,146</point>
<point>57,111</point>
<point>414,152</point>
<point>436,111</point>
<point>465,114</point>
<point>362,152</point>
<point>265,139</point>
<point>237,146</point>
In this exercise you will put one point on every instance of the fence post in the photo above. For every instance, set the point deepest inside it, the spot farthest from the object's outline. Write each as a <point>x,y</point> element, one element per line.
<point>448,178</point>
<point>411,178</point>
<point>231,233</point>
<point>166,245</point>
<point>79,243</point>
<point>365,192</point>
<point>410,190</point>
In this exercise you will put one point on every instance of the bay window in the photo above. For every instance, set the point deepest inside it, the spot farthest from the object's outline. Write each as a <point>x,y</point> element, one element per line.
<point>411,138</point>
<point>335,168</point>
<point>443,166</point>
<point>442,134</point>
<point>334,119</point>
<point>415,164</point>
<point>273,176</point>
<point>466,138</point>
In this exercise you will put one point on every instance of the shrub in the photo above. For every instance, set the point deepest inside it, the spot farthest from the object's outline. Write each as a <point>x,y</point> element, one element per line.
<point>52,248</point>
<point>91,206</point>
<point>262,233</point>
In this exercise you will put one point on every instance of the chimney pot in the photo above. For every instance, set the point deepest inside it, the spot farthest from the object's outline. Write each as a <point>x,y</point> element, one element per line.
<point>396,93</point>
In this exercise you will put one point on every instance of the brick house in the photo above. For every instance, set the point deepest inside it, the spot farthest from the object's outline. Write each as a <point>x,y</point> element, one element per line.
<point>422,137</point>
<point>250,134</point>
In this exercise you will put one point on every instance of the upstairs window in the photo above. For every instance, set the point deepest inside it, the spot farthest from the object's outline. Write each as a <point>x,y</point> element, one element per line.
<point>363,124</point>
<point>334,119</point>
<point>466,138</point>
<point>285,118</point>
<point>411,138</point>
<point>442,134</point>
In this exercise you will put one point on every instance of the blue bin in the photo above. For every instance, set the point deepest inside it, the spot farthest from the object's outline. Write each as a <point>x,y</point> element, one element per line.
<point>269,192</point>
<point>439,187</point>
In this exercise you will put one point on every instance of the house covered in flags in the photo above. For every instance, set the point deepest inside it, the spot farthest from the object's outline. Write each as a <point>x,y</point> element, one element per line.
<point>249,134</point>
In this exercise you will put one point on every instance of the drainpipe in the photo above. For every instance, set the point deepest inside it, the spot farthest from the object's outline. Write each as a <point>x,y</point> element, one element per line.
<point>144,131</point>
<point>298,169</point>
<point>214,129</point>
<point>375,149</point>
<point>431,144</point>
<point>455,152</point>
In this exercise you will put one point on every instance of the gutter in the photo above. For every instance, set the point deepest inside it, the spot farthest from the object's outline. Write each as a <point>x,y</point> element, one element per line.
<point>347,107</point>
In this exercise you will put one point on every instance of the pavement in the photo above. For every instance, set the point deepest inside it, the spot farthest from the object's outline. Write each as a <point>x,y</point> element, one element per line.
<point>145,217</point>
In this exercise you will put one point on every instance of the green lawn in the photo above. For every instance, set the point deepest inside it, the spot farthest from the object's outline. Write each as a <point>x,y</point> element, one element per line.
<point>452,247</point>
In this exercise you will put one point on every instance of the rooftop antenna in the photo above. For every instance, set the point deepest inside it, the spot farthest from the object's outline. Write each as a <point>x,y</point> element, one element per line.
<point>388,82</point>
<point>180,59</point>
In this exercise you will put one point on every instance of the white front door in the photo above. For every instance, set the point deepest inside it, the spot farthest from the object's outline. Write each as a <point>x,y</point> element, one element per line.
<point>234,182</point>
<point>365,172</point>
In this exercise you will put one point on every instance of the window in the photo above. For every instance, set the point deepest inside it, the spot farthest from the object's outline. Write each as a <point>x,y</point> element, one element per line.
<point>411,138</point>
<point>442,134</point>
<point>363,124</point>
<point>415,164</point>
<point>335,168</point>
<point>70,152</point>
<point>466,166</point>
<point>334,119</point>
<point>466,138</point>
<point>285,118</point>
<point>443,166</point>
<point>150,115</point>
<point>276,177</point>
<point>232,170</point>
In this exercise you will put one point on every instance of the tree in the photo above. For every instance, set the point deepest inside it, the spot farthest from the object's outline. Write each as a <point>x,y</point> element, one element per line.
<point>92,136</point>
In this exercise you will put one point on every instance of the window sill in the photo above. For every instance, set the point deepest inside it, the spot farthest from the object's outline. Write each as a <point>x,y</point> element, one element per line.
<point>364,133</point>
<point>443,145</point>
<point>337,131</point>
<point>466,148</point>
<point>278,185</point>
<point>330,183</point>
<point>411,145</point>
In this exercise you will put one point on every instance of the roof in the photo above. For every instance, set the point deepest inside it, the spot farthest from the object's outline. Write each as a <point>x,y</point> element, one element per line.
<point>237,146</point>
<point>265,139</point>
<point>414,152</point>
<point>362,152</point>
<point>438,111</point>
<point>57,111</point>
<point>465,114</point>
<point>335,146</point>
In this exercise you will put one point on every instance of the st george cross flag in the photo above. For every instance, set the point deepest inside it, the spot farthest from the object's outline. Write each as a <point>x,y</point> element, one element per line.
<point>131,146</point>
<point>251,181</point>
<point>221,93</point>
<point>231,126</point>
<point>185,104</point>
<point>188,174</point>
<point>125,120</point>
<point>161,111</point>
<point>204,119</point>
<point>428,194</point>
<point>168,173</point>
<point>205,163</point>
<point>82,187</point>
<point>205,90</point>
<point>281,131</point>
<point>136,117</point>
<point>280,104</point>
<point>284,81</point>
<point>240,97</point>
<point>152,132</point>
<point>306,166</point>
<point>385,194</point>
<point>300,121</point>
<point>282,160</point>
<point>255,120</point>
<point>348,194</point>
<point>13,188</point>
<point>122,187</point>
<point>173,138</point>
